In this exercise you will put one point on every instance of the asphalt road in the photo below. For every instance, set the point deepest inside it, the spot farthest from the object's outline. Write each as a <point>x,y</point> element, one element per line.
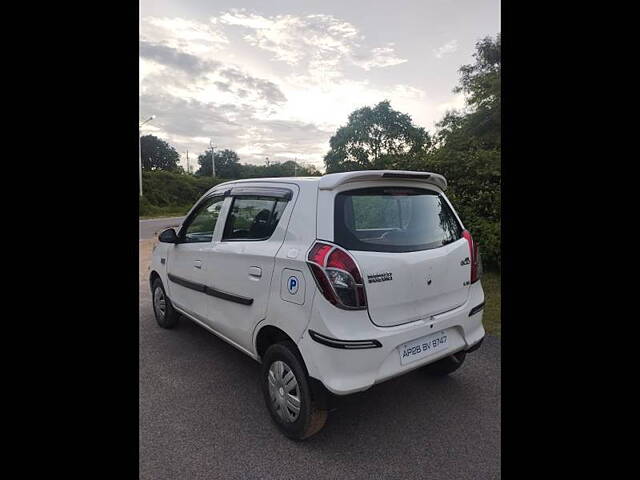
<point>152,227</point>
<point>202,417</point>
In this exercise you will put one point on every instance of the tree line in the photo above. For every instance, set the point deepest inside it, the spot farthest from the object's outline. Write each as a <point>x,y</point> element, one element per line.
<point>159,155</point>
<point>465,148</point>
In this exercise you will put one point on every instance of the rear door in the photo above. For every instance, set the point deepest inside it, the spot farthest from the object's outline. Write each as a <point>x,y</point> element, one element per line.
<point>240,267</point>
<point>408,244</point>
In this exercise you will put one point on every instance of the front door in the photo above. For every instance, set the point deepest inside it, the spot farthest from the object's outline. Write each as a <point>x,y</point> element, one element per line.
<point>186,261</point>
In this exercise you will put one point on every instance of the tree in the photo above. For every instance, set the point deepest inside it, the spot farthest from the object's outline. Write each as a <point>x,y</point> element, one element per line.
<point>481,80</point>
<point>156,154</point>
<point>468,149</point>
<point>277,169</point>
<point>227,164</point>
<point>376,138</point>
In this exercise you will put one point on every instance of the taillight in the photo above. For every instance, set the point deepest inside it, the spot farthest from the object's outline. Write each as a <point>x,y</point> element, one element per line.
<point>476,262</point>
<point>337,276</point>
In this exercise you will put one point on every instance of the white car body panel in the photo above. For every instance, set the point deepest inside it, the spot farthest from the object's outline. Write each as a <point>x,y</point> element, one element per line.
<point>409,296</point>
<point>398,312</point>
<point>245,268</point>
<point>348,371</point>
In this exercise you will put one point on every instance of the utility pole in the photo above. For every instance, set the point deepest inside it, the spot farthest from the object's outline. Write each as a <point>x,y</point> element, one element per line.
<point>188,168</point>
<point>140,156</point>
<point>213,162</point>
<point>140,148</point>
<point>295,167</point>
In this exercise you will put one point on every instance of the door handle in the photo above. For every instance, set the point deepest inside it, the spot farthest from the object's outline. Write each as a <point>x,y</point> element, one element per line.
<point>197,264</point>
<point>255,272</point>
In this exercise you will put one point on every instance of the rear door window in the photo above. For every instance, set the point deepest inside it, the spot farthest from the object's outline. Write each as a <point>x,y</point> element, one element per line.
<point>253,217</point>
<point>394,219</point>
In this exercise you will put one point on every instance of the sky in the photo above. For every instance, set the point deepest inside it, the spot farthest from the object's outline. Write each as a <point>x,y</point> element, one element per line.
<point>276,78</point>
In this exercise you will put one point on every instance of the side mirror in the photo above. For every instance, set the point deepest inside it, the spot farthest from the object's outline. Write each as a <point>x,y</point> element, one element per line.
<point>168,236</point>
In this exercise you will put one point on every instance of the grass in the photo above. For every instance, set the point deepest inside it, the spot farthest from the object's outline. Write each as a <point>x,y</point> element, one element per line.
<point>491,318</point>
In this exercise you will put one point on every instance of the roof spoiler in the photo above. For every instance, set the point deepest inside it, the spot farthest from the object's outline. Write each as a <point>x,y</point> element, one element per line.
<point>332,180</point>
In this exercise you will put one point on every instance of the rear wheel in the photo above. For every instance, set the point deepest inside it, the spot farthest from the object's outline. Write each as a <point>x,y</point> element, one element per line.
<point>164,312</point>
<point>287,394</point>
<point>447,365</point>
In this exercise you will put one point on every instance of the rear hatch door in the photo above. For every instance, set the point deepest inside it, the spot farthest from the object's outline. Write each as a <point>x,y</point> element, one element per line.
<point>409,247</point>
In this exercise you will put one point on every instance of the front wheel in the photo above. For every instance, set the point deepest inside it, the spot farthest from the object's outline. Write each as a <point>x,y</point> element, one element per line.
<point>447,365</point>
<point>164,312</point>
<point>287,393</point>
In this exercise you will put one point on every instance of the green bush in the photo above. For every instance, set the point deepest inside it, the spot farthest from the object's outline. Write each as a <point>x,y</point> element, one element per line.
<point>476,196</point>
<point>167,193</point>
<point>145,209</point>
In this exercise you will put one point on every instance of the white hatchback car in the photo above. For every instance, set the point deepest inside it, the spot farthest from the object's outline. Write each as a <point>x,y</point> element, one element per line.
<point>333,283</point>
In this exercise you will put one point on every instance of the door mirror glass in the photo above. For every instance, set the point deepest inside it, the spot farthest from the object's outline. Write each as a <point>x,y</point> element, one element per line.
<point>168,236</point>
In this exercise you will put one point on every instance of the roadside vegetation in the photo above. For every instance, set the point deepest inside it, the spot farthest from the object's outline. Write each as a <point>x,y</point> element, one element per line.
<point>465,148</point>
<point>491,317</point>
<point>171,194</point>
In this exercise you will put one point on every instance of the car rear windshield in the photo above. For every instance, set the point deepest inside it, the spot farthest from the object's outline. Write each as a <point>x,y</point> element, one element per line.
<point>394,219</point>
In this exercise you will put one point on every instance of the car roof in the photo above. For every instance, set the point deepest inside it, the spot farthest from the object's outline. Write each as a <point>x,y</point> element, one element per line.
<point>333,180</point>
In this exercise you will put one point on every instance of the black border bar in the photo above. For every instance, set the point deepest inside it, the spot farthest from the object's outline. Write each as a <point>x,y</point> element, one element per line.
<point>344,344</point>
<point>210,291</point>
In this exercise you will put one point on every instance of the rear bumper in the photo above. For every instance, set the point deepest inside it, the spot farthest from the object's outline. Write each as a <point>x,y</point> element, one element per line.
<point>343,370</point>
<point>474,347</point>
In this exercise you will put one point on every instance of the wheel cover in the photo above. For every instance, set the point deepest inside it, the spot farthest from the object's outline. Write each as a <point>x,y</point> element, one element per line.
<point>159,303</point>
<point>284,391</point>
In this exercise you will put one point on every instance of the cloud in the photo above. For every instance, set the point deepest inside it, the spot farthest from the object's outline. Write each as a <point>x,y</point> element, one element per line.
<point>174,58</point>
<point>321,44</point>
<point>196,38</point>
<point>276,86</point>
<point>189,124</point>
<point>190,118</point>
<point>445,49</point>
<point>192,76</point>
<point>266,89</point>
<point>379,57</point>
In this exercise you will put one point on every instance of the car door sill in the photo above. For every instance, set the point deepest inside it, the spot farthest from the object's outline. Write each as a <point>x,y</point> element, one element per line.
<point>216,333</point>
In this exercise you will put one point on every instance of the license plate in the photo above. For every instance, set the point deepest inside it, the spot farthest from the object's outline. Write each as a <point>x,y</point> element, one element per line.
<point>423,347</point>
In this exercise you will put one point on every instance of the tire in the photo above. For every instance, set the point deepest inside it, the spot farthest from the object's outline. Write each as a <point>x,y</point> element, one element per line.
<point>447,365</point>
<point>281,395</point>
<point>169,317</point>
